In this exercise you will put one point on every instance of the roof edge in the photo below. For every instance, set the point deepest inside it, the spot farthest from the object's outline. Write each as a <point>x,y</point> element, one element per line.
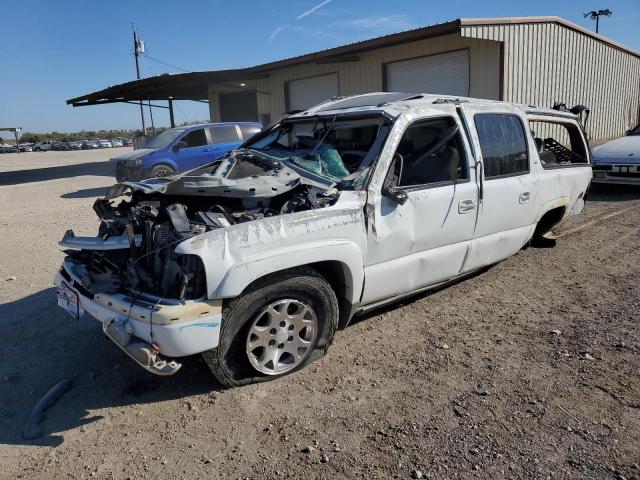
<point>470,22</point>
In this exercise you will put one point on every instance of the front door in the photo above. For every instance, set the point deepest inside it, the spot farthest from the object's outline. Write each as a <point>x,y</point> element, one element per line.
<point>196,152</point>
<point>506,213</point>
<point>424,241</point>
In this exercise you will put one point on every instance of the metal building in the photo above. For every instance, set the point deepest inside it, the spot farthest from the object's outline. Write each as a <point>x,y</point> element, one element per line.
<point>532,60</point>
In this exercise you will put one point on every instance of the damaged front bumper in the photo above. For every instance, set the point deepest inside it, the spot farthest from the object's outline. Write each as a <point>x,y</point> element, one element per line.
<point>145,328</point>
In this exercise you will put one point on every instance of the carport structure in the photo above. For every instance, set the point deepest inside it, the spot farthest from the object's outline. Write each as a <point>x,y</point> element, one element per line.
<point>193,86</point>
<point>527,60</point>
<point>16,133</point>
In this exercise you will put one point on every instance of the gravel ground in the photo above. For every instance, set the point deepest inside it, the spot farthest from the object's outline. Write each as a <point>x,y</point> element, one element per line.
<point>527,370</point>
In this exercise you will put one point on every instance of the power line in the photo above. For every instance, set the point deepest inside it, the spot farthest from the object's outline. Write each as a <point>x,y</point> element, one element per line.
<point>166,64</point>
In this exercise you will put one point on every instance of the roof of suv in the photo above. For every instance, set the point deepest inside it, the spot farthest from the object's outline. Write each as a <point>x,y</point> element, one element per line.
<point>393,101</point>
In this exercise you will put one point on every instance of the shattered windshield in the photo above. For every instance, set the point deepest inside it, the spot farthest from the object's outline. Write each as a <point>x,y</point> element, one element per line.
<point>332,148</point>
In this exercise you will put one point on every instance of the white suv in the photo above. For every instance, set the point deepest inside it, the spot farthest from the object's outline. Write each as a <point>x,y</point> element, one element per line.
<point>256,259</point>
<point>42,146</point>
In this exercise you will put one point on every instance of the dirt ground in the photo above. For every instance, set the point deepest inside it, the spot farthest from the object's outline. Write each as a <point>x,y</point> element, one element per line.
<point>527,370</point>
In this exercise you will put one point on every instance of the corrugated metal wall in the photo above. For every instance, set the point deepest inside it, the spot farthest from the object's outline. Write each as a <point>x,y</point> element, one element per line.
<point>366,74</point>
<point>546,62</point>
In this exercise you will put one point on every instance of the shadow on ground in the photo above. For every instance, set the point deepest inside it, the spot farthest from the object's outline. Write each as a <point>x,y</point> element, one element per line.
<point>105,169</point>
<point>86,193</point>
<point>46,345</point>
<point>599,192</point>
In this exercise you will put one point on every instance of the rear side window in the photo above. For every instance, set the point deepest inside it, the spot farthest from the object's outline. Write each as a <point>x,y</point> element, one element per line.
<point>224,134</point>
<point>196,138</point>
<point>249,131</point>
<point>503,144</point>
<point>558,144</point>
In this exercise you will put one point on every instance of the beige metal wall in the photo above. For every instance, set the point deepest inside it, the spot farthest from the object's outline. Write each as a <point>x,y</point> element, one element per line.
<point>546,62</point>
<point>366,74</point>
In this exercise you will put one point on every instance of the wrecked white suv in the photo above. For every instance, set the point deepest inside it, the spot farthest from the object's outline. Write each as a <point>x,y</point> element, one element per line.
<point>257,259</point>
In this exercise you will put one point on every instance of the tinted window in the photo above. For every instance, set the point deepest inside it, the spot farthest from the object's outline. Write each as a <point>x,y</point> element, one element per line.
<point>224,134</point>
<point>503,144</point>
<point>249,131</point>
<point>196,138</point>
<point>432,153</point>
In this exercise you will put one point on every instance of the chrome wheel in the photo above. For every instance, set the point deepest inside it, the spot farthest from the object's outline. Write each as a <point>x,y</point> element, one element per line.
<point>281,336</point>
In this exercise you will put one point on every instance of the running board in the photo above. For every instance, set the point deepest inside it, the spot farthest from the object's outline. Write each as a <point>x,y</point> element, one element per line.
<point>382,303</point>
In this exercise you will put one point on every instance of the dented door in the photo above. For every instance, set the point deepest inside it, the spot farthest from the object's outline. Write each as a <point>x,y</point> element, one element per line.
<point>425,240</point>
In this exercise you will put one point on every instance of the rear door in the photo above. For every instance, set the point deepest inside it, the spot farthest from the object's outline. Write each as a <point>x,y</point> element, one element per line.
<point>224,139</point>
<point>196,153</point>
<point>507,210</point>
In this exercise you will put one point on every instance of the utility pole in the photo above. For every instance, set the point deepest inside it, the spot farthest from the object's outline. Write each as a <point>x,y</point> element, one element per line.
<point>596,14</point>
<point>138,48</point>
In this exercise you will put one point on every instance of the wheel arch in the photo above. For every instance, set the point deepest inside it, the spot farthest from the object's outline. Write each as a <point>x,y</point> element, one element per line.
<point>344,275</point>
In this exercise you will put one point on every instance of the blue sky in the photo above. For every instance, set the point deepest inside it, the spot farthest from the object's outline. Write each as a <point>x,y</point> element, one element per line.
<point>54,50</point>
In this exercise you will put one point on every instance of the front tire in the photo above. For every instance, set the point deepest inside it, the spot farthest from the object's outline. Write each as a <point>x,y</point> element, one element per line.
<point>162,170</point>
<point>278,326</point>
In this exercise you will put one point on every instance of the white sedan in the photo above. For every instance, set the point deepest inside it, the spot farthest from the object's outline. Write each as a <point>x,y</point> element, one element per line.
<point>618,161</point>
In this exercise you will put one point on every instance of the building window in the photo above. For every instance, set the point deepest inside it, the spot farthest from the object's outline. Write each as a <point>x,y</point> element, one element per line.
<point>432,153</point>
<point>503,144</point>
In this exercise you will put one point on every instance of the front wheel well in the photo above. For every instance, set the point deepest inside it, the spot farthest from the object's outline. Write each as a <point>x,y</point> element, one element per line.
<point>335,273</point>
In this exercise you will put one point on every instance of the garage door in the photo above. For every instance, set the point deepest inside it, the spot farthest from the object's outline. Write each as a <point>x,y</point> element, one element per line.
<point>446,73</point>
<point>307,92</point>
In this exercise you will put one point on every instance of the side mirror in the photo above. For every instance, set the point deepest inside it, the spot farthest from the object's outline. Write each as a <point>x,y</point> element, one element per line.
<point>391,188</point>
<point>179,145</point>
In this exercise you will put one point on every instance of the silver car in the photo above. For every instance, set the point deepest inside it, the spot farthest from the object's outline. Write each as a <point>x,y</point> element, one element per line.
<point>618,161</point>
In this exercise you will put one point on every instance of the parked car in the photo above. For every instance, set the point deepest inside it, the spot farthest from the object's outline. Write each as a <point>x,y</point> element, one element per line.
<point>42,146</point>
<point>75,145</point>
<point>183,148</point>
<point>90,144</point>
<point>60,146</point>
<point>105,144</point>
<point>255,260</point>
<point>26,147</point>
<point>618,161</point>
<point>116,142</point>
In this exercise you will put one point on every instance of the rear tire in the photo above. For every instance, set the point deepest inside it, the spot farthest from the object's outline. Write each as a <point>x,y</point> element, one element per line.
<point>162,170</point>
<point>279,325</point>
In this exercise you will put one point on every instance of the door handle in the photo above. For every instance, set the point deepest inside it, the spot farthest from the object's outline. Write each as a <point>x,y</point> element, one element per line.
<point>525,197</point>
<point>466,206</point>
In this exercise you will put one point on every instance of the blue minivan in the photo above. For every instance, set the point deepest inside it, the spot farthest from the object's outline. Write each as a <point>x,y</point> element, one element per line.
<point>183,148</point>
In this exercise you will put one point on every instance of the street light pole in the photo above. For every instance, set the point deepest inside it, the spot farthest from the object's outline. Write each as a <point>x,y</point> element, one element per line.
<point>596,14</point>
<point>136,53</point>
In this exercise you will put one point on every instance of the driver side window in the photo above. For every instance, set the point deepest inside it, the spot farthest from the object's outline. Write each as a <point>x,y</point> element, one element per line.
<point>432,153</point>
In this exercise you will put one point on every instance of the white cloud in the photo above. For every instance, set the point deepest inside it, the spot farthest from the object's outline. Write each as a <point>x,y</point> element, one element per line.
<point>275,33</point>
<point>313,9</point>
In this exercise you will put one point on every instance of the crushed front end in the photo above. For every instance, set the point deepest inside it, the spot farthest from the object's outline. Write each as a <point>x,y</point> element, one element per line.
<point>152,301</point>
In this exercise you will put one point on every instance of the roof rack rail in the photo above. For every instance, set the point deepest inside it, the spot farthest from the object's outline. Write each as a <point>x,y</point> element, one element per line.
<point>404,99</point>
<point>455,101</point>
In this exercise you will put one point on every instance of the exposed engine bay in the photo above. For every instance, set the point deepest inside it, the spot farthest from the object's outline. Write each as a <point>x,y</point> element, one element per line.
<point>145,229</point>
<point>290,168</point>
